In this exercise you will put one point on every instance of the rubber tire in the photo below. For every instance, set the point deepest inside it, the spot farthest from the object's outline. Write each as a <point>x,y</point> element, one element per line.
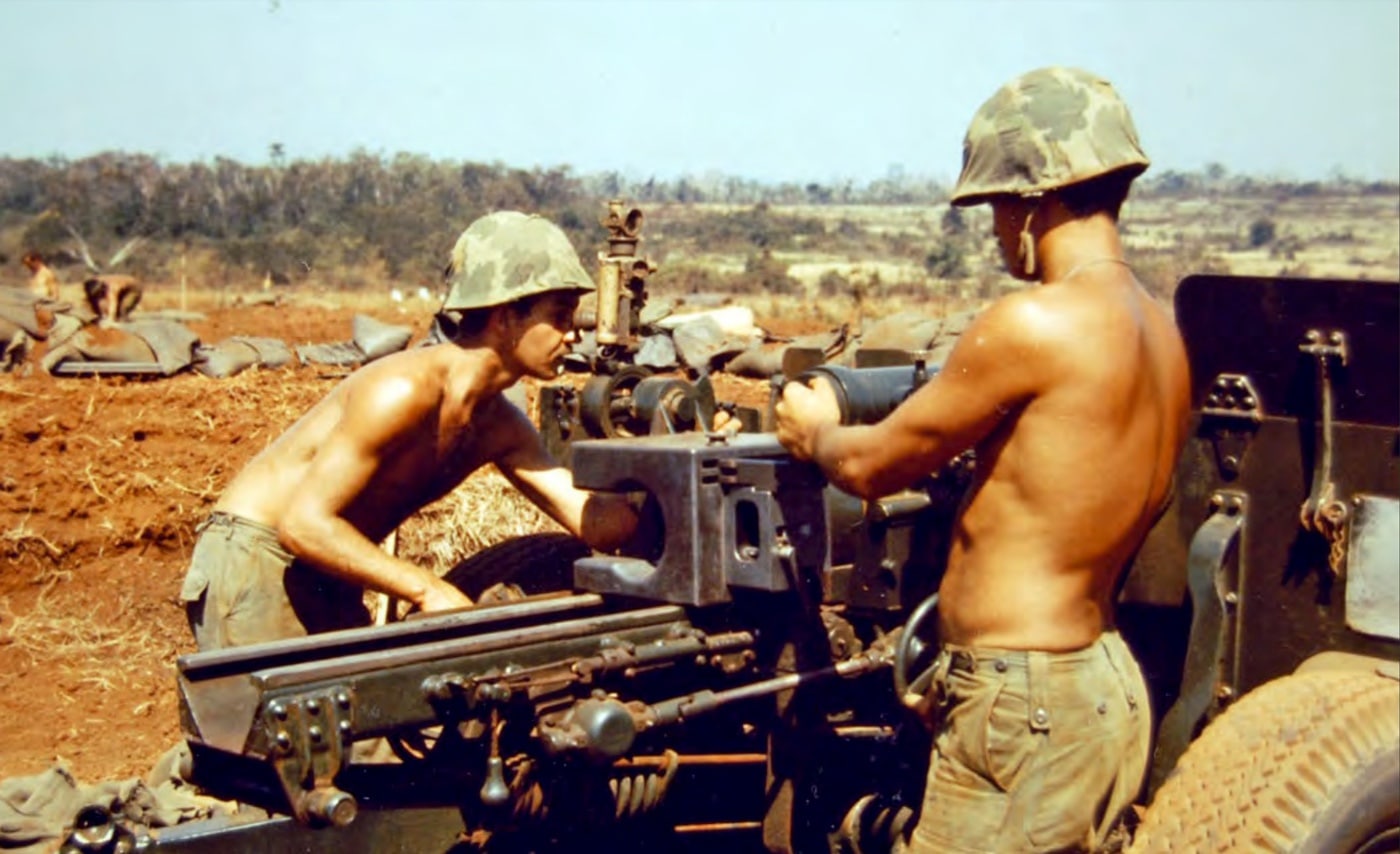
<point>1308,763</point>
<point>539,563</point>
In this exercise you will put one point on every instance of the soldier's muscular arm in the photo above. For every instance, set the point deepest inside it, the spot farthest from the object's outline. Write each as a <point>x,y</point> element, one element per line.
<point>603,520</point>
<point>376,418</point>
<point>995,368</point>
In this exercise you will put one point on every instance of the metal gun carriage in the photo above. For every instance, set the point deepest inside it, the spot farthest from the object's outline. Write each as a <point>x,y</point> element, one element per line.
<point>731,684</point>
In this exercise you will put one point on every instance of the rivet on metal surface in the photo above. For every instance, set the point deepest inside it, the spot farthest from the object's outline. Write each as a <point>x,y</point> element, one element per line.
<point>278,711</point>
<point>284,741</point>
<point>315,733</point>
<point>342,699</point>
<point>313,707</point>
<point>1232,598</point>
<point>1224,692</point>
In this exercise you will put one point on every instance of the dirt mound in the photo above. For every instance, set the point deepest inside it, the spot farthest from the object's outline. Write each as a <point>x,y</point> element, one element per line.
<point>102,481</point>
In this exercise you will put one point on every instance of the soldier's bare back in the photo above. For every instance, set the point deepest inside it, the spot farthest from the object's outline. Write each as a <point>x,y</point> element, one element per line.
<point>1067,486</point>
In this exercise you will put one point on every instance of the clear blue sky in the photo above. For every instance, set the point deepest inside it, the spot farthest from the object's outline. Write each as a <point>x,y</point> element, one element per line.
<point>767,89</point>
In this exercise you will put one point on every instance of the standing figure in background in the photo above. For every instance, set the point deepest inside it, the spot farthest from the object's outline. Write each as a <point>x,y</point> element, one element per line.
<point>43,282</point>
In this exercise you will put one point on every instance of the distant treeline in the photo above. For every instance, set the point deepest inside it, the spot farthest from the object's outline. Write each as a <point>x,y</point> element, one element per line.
<point>399,214</point>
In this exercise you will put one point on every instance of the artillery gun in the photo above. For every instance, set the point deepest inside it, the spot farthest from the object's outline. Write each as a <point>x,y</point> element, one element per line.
<point>622,398</point>
<point>1284,543</point>
<point>739,682</point>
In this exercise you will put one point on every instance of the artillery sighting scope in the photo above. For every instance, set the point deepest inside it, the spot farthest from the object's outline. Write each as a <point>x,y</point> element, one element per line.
<point>622,277</point>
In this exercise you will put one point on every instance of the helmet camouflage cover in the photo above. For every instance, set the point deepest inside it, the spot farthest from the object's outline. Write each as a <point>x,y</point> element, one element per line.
<point>506,256</point>
<point>1046,129</point>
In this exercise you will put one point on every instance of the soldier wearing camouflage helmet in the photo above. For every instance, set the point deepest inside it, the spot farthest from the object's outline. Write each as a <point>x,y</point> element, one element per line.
<point>508,256</point>
<point>1074,396</point>
<point>291,544</point>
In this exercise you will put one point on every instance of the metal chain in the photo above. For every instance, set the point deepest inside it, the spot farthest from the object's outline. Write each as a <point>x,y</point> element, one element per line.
<point>1332,524</point>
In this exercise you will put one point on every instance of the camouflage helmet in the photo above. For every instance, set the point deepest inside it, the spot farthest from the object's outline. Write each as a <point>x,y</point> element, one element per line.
<point>1047,129</point>
<point>506,256</point>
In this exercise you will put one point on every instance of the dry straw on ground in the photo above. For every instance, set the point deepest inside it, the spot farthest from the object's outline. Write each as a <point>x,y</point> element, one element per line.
<point>483,511</point>
<point>101,653</point>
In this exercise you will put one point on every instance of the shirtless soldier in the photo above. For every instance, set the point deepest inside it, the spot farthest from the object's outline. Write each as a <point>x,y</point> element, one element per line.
<point>291,543</point>
<point>42,280</point>
<point>1075,396</point>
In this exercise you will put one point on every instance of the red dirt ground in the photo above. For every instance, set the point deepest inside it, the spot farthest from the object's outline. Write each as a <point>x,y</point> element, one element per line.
<point>102,481</point>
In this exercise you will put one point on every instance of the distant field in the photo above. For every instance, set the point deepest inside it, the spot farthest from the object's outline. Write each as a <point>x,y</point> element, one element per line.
<point>828,256</point>
<point>1344,238</point>
<point>1166,239</point>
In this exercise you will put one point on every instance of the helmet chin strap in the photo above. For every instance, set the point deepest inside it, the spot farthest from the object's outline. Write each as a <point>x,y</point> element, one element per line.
<point>1027,247</point>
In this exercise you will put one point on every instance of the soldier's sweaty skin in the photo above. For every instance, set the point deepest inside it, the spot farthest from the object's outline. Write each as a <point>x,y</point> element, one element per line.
<point>404,431</point>
<point>1075,395</point>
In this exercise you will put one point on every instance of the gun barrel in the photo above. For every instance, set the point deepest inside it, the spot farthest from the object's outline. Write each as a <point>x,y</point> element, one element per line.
<point>867,395</point>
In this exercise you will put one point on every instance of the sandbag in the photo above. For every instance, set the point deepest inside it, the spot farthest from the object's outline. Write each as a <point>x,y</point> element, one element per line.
<point>756,362</point>
<point>17,345</point>
<point>272,352</point>
<point>172,344</point>
<point>653,312</point>
<point>168,346</point>
<point>376,338</point>
<point>731,319</point>
<point>339,354</point>
<point>64,326</point>
<point>35,315</point>
<point>226,359</point>
<point>906,330</point>
<point>701,341</point>
<point>96,344</point>
<point>657,352</point>
<point>237,354</point>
